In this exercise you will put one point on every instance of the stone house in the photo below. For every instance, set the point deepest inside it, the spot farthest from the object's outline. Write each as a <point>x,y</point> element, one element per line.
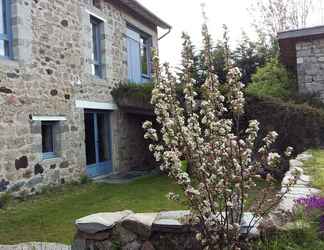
<point>302,51</point>
<point>59,61</point>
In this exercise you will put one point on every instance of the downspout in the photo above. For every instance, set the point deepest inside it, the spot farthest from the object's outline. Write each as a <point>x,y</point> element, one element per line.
<point>167,33</point>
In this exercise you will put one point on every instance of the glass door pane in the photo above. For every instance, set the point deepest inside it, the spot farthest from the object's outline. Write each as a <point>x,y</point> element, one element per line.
<point>90,138</point>
<point>103,137</point>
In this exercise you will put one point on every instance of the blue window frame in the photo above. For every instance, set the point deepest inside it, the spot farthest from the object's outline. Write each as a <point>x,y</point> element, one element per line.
<point>145,43</point>
<point>48,140</point>
<point>5,29</point>
<point>139,55</point>
<point>96,46</point>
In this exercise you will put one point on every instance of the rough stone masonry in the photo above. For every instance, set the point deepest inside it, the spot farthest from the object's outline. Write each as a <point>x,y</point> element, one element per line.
<point>49,74</point>
<point>302,51</point>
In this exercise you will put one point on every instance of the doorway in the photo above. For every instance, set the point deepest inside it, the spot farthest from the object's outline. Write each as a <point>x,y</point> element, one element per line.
<point>98,143</point>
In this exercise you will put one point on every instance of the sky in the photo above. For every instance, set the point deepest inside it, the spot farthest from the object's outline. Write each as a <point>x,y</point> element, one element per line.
<point>185,15</point>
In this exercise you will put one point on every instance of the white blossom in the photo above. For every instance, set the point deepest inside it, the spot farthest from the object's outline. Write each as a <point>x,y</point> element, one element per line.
<point>205,131</point>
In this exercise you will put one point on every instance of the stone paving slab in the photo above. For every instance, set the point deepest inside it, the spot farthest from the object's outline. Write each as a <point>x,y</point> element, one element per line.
<point>36,246</point>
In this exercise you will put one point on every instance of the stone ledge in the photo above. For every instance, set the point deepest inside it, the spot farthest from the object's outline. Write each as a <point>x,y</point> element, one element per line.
<point>35,246</point>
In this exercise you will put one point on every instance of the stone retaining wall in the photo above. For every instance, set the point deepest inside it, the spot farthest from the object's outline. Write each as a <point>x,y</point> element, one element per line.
<point>169,230</point>
<point>130,231</point>
<point>141,231</point>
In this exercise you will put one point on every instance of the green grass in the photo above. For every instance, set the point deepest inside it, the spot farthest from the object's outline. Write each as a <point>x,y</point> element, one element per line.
<point>315,168</point>
<point>50,217</point>
<point>304,237</point>
<point>296,239</point>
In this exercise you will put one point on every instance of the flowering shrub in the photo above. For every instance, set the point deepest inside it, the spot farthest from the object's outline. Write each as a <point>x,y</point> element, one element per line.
<point>205,131</point>
<point>312,202</point>
<point>314,205</point>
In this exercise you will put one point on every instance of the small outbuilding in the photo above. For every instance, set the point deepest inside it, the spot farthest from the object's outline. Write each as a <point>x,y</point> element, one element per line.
<point>302,51</point>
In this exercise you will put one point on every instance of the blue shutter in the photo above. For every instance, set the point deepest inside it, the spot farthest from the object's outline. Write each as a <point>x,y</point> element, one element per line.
<point>134,59</point>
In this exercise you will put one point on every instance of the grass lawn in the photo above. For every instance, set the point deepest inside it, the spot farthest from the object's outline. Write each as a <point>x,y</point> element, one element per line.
<point>50,217</point>
<point>315,168</point>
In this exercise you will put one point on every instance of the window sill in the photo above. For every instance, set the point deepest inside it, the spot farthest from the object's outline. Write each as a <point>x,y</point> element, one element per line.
<point>50,158</point>
<point>6,61</point>
<point>146,77</point>
<point>97,79</point>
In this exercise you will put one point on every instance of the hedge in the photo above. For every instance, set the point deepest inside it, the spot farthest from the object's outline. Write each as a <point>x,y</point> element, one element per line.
<point>299,125</point>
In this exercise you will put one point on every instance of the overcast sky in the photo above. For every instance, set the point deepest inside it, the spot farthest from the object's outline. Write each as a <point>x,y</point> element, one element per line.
<point>184,15</point>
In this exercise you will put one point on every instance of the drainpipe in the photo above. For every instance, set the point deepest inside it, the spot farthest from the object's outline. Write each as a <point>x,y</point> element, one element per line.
<point>167,33</point>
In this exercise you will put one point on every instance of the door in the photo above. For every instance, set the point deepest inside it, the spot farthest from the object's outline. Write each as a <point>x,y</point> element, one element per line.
<point>98,143</point>
<point>134,59</point>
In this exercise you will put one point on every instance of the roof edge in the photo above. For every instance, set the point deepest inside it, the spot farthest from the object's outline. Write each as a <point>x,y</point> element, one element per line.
<point>140,9</point>
<point>310,31</point>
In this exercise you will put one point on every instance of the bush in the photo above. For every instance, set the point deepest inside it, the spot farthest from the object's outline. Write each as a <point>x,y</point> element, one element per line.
<point>141,92</point>
<point>298,125</point>
<point>272,80</point>
<point>5,199</point>
<point>85,180</point>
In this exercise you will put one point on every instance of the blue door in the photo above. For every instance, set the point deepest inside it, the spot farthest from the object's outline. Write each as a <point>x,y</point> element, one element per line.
<point>98,143</point>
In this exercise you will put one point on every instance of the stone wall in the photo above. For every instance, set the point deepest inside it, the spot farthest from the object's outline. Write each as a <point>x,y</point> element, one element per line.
<point>49,73</point>
<point>310,67</point>
<point>133,148</point>
<point>144,231</point>
<point>126,230</point>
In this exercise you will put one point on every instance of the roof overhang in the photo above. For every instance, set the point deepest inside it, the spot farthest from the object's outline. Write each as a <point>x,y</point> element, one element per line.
<point>302,33</point>
<point>289,39</point>
<point>142,11</point>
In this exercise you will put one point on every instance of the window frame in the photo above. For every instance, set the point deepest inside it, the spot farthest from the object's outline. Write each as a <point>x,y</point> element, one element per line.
<point>147,45</point>
<point>50,154</point>
<point>96,46</point>
<point>6,37</point>
<point>148,38</point>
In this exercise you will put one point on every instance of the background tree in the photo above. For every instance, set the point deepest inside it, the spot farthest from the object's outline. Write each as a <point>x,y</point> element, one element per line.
<point>250,55</point>
<point>273,16</point>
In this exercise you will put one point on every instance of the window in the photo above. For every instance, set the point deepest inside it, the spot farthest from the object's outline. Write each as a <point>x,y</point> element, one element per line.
<point>48,140</point>
<point>96,47</point>
<point>145,48</point>
<point>139,56</point>
<point>5,29</point>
